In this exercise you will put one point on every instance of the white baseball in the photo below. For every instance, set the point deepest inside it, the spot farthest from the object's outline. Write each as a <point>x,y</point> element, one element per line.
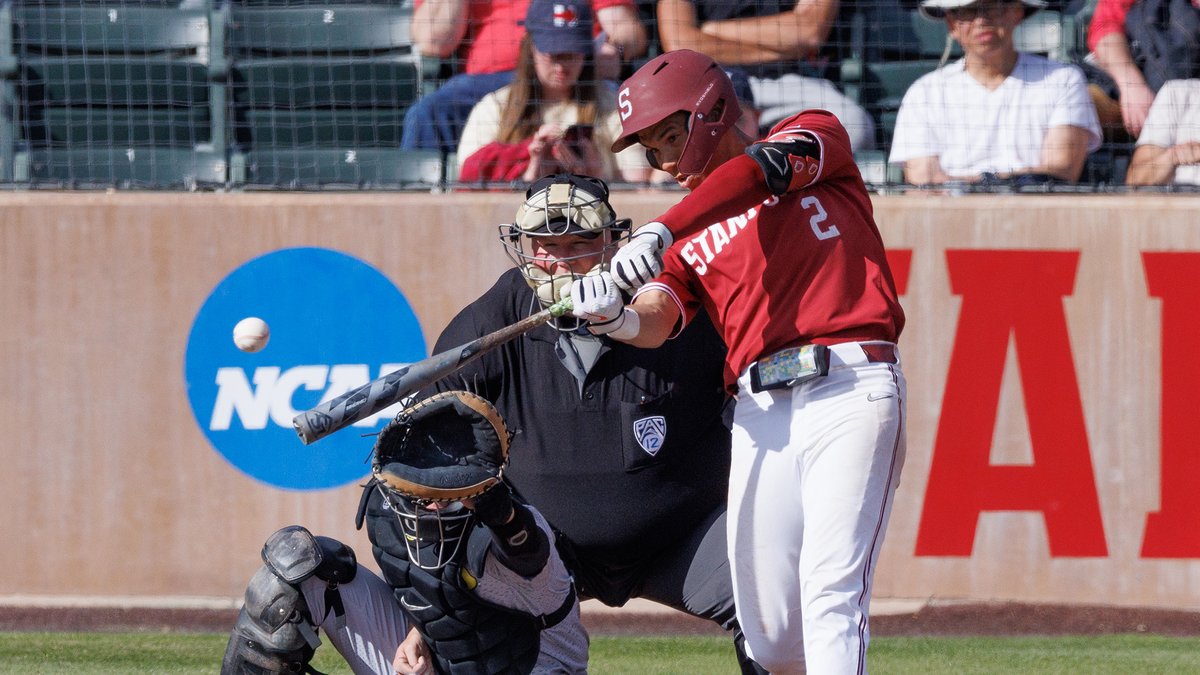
<point>251,334</point>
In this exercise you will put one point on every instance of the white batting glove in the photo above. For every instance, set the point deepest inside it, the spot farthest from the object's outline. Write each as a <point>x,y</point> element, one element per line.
<point>640,259</point>
<point>596,298</point>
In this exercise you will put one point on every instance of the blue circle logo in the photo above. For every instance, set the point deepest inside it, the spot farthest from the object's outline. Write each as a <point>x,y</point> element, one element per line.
<point>336,323</point>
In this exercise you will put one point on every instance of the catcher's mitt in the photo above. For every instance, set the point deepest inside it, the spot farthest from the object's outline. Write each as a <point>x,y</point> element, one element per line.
<point>450,446</point>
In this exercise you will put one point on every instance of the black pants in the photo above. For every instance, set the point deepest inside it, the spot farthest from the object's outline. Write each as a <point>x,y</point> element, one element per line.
<point>692,576</point>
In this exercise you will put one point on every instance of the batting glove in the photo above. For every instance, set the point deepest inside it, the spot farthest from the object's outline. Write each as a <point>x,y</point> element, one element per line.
<point>640,259</point>
<point>596,298</point>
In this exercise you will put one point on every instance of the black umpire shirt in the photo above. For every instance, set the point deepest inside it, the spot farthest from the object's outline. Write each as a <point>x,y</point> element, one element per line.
<point>626,460</point>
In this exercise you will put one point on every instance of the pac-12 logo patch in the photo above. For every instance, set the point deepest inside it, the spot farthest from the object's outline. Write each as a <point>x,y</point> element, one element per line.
<point>650,433</point>
<point>336,324</point>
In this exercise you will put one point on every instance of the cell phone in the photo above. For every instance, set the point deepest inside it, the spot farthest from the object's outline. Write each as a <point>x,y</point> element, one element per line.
<point>578,132</point>
<point>576,135</point>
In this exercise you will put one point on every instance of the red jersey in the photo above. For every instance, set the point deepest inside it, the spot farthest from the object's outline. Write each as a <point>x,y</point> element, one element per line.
<point>495,29</point>
<point>775,272</point>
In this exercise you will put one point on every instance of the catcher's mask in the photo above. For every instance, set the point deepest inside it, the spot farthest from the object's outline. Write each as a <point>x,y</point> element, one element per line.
<point>437,452</point>
<point>556,206</point>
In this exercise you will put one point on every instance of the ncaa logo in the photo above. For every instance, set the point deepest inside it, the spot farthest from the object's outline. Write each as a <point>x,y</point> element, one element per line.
<point>650,432</point>
<point>336,324</point>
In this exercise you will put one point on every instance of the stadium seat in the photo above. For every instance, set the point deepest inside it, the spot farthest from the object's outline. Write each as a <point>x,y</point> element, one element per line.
<point>875,170</point>
<point>334,79</point>
<point>890,47</point>
<point>103,81</point>
<point>8,99</point>
<point>306,168</point>
<point>880,88</point>
<point>1048,33</point>
<point>130,167</point>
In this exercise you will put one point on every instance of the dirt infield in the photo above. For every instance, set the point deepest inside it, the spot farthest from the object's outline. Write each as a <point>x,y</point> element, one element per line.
<point>934,619</point>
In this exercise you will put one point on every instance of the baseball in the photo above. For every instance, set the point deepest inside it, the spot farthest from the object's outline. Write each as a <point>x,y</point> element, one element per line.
<point>251,334</point>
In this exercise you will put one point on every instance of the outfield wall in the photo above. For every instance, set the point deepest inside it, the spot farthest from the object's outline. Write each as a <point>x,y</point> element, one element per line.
<point>1054,441</point>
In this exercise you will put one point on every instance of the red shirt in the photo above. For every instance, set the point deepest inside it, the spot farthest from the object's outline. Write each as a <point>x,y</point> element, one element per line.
<point>807,267</point>
<point>495,29</point>
<point>1108,18</point>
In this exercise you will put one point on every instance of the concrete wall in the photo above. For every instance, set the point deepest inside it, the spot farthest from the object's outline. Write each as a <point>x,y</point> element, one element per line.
<point>1052,432</point>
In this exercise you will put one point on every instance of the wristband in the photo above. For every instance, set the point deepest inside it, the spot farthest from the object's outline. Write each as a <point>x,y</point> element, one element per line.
<point>665,236</point>
<point>624,328</point>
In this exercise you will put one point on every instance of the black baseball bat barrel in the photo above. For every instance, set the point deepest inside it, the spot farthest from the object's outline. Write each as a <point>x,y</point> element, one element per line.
<point>358,404</point>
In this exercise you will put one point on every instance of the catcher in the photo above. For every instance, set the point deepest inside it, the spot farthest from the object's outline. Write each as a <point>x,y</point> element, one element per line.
<point>458,598</point>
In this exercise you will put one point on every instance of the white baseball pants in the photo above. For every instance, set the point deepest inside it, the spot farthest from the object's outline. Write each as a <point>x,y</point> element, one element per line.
<point>814,471</point>
<point>375,623</point>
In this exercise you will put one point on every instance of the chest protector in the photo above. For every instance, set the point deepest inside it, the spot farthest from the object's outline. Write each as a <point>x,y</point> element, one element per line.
<point>467,635</point>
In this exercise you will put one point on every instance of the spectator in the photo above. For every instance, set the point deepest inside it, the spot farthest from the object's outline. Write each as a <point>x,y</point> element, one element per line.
<point>555,116</point>
<point>1166,31</point>
<point>996,113</point>
<point>488,36</point>
<point>773,42</point>
<point>1168,149</point>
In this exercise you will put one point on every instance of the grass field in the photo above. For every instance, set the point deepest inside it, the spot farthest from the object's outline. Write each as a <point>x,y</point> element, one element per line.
<point>180,653</point>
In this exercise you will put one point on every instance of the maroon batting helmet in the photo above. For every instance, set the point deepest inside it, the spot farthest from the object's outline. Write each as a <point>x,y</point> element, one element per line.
<point>682,80</point>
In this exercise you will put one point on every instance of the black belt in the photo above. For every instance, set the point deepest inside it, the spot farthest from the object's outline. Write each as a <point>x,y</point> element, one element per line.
<point>796,365</point>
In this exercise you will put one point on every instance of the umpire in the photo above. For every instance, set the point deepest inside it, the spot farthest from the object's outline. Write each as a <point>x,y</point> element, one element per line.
<point>625,451</point>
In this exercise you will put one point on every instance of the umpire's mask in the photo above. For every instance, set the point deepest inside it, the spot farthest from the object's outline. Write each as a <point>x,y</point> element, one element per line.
<point>563,205</point>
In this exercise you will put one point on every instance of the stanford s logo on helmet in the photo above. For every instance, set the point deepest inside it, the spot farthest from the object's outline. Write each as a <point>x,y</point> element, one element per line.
<point>679,80</point>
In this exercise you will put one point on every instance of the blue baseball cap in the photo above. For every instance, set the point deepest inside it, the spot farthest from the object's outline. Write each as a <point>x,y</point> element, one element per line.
<point>560,26</point>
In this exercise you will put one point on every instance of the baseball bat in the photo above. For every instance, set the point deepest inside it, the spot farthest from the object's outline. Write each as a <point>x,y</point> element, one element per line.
<point>357,404</point>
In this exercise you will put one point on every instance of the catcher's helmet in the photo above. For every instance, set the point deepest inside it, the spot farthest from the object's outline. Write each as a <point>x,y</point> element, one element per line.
<point>562,204</point>
<point>435,453</point>
<point>682,80</point>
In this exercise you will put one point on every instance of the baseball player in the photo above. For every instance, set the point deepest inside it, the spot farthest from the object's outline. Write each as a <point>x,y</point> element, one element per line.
<point>776,241</point>
<point>473,585</point>
<point>624,450</point>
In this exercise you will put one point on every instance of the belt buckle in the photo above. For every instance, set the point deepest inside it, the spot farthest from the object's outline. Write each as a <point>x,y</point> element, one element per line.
<point>789,367</point>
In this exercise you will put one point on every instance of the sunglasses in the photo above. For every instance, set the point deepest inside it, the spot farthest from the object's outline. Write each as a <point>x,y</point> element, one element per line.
<point>989,10</point>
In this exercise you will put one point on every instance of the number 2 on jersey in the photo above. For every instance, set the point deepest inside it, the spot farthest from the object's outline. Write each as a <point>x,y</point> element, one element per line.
<point>815,220</point>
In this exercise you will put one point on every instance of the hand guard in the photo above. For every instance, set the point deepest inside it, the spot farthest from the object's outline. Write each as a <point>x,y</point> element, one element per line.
<point>789,160</point>
<point>448,447</point>
<point>640,259</point>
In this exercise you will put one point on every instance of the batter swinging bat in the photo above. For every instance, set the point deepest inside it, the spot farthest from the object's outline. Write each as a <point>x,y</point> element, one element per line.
<point>357,404</point>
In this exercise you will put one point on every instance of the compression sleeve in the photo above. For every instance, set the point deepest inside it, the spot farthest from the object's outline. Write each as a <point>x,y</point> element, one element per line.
<point>521,545</point>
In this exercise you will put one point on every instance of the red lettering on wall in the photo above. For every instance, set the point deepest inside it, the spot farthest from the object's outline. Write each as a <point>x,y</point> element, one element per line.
<point>1174,530</point>
<point>900,262</point>
<point>1017,293</point>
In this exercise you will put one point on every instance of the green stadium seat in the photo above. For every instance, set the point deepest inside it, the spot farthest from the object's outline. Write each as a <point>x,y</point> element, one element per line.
<point>325,128</point>
<point>8,97</point>
<point>890,47</point>
<point>304,168</point>
<point>879,87</point>
<point>332,78</point>
<point>882,30</point>
<point>875,170</point>
<point>1048,33</point>
<point>103,81</point>
<point>108,166</point>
